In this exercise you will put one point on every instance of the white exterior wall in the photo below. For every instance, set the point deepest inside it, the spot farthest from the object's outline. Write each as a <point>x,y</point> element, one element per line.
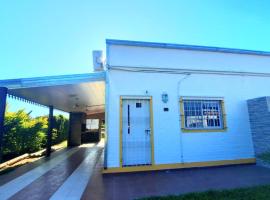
<point>169,142</point>
<point>186,59</point>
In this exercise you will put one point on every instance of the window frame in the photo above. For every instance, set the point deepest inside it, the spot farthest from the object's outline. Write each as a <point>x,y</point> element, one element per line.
<point>223,115</point>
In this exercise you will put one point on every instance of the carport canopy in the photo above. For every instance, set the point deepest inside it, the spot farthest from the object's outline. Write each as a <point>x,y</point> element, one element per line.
<point>69,93</point>
<point>80,93</point>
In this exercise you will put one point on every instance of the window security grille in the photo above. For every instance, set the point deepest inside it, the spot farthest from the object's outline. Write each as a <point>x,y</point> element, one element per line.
<point>203,114</point>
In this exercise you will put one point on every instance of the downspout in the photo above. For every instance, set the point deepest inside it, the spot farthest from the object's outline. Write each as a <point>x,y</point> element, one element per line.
<point>179,113</point>
<point>106,118</point>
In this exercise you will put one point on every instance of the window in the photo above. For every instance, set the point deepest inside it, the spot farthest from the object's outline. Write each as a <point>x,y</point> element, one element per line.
<point>200,114</point>
<point>92,124</point>
<point>138,105</point>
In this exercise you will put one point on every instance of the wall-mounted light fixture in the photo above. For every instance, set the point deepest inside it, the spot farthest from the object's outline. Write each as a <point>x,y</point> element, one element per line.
<point>164,97</point>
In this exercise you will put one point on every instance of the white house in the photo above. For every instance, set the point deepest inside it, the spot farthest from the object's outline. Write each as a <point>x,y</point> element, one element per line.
<point>175,106</point>
<point>166,106</point>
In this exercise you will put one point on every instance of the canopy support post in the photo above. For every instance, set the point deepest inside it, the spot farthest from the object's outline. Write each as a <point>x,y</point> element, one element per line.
<point>49,133</point>
<point>69,130</point>
<point>3,99</point>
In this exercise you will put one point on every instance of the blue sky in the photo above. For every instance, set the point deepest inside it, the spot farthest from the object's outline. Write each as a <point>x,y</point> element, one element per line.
<point>39,38</point>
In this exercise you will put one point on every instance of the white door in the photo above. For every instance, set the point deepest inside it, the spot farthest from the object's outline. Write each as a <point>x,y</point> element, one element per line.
<point>136,136</point>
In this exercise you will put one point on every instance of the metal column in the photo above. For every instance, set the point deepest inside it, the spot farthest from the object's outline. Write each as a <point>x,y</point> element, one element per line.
<point>3,99</point>
<point>49,134</point>
<point>69,130</point>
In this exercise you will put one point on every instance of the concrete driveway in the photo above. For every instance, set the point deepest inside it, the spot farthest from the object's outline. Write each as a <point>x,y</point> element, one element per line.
<point>64,175</point>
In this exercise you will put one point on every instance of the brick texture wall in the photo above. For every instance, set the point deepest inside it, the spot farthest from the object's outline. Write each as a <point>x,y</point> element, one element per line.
<point>259,117</point>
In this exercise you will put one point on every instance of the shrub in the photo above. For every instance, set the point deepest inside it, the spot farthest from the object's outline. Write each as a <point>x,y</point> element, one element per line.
<point>24,134</point>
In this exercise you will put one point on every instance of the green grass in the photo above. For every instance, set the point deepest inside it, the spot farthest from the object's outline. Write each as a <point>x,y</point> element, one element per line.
<point>265,157</point>
<point>253,193</point>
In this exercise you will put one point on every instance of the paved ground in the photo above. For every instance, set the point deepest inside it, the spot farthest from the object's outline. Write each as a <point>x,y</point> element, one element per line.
<point>64,176</point>
<point>160,183</point>
<point>76,174</point>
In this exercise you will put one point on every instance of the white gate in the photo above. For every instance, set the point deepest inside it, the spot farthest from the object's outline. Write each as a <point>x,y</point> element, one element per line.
<point>136,132</point>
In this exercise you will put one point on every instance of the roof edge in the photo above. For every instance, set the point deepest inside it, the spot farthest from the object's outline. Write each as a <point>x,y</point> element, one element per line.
<point>52,80</point>
<point>185,47</point>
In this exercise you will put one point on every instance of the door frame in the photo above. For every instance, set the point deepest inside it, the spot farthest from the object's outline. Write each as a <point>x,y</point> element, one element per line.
<point>121,126</point>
